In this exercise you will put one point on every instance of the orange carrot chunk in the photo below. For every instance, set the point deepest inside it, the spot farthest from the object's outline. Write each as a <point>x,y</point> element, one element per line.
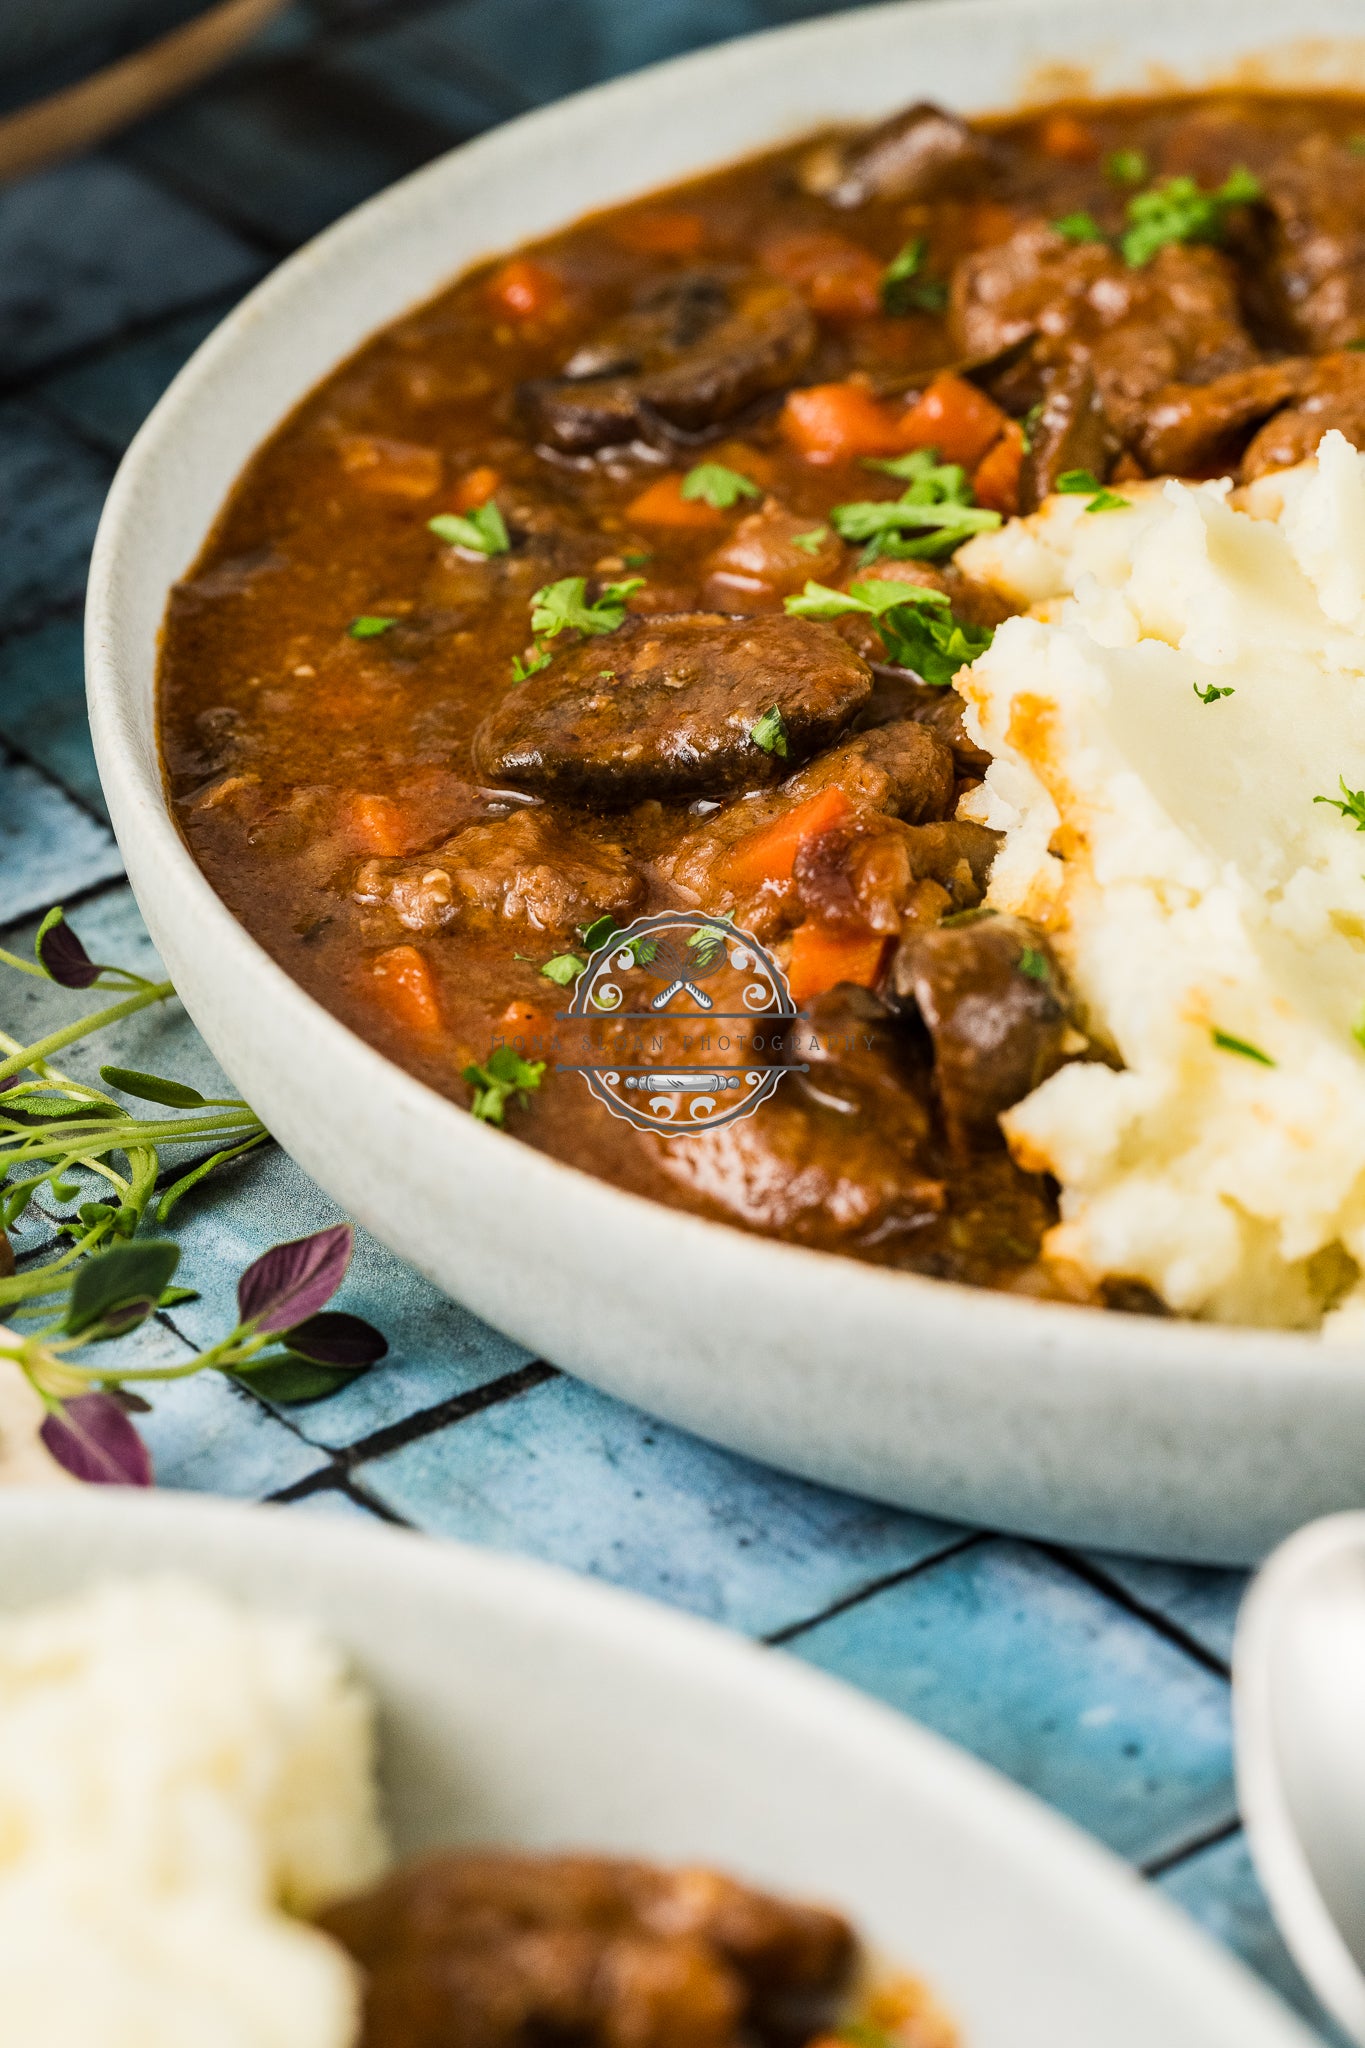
<point>404,984</point>
<point>837,423</point>
<point>955,418</point>
<point>663,231</point>
<point>392,469</point>
<point>1068,138</point>
<point>476,487</point>
<point>822,957</point>
<point>996,482</point>
<point>376,824</point>
<point>526,290</point>
<point>663,504</point>
<point>769,855</point>
<point>836,277</point>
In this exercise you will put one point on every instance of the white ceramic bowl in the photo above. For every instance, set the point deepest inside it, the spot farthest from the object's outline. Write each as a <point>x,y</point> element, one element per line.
<point>1156,1436</point>
<point>1299,1709</point>
<point>521,1705</point>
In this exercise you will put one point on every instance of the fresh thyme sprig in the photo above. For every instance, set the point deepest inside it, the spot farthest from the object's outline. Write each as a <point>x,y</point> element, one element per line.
<point>105,1281</point>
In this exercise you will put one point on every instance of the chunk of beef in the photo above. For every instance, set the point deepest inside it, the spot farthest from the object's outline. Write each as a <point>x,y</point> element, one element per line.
<point>697,351</point>
<point>526,868</point>
<point>1317,195</point>
<point>667,707</point>
<point>1331,394</point>
<point>501,1950</point>
<point>760,563</point>
<point>891,770</point>
<point>994,1000</point>
<point>1175,319</point>
<point>1191,428</point>
<point>879,875</point>
<point>921,153</point>
<point>1070,431</point>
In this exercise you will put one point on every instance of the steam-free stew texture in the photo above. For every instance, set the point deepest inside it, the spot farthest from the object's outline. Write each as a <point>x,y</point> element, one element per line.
<point>620,578</point>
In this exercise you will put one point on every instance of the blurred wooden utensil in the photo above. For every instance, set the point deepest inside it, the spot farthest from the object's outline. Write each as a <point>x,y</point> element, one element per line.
<point>80,115</point>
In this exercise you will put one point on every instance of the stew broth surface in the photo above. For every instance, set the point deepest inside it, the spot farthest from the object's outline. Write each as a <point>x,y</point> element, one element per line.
<point>322,778</point>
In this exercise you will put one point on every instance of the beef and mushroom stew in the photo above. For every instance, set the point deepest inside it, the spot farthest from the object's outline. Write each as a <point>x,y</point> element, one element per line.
<point>633,573</point>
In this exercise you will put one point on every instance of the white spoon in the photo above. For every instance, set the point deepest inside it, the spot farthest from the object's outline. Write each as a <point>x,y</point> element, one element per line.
<point>1299,1712</point>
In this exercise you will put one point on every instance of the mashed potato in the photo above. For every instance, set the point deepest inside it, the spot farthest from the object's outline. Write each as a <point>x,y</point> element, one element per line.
<point>1210,911</point>
<point>177,1776</point>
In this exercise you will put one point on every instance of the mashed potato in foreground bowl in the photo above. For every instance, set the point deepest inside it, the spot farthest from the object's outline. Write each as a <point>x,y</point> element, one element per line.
<point>177,1778</point>
<point>1178,726</point>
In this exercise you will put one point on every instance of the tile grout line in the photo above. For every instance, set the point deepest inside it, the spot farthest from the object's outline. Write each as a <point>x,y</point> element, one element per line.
<point>20,754</point>
<point>1099,1580</point>
<point>75,899</point>
<point>428,1421</point>
<point>780,1637</point>
<point>1158,1866</point>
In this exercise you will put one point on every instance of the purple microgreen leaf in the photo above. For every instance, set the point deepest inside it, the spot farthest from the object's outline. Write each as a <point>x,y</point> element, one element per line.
<point>61,954</point>
<point>335,1338</point>
<point>118,1288</point>
<point>94,1440</point>
<point>293,1281</point>
<point>128,1401</point>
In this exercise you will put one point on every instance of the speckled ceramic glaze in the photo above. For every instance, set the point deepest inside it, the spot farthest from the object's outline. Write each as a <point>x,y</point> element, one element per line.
<point>1165,1437</point>
<point>521,1705</point>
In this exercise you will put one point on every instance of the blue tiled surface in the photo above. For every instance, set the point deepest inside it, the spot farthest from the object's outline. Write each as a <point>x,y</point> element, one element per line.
<point>1098,1681</point>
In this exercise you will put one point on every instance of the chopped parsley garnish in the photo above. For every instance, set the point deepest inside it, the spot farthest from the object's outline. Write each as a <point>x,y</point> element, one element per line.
<point>810,543</point>
<point>1225,1042</point>
<point>1177,211</point>
<point>370,625</point>
<point>1033,963</point>
<point>504,1077</point>
<point>635,558</point>
<point>770,733</point>
<point>718,486</point>
<point>564,968</point>
<point>905,290</point>
<point>1126,167</point>
<point>1078,227</point>
<point>563,607</point>
<point>603,929</point>
<point>1212,692</point>
<point>917,627</point>
<point>1076,482</point>
<point>1028,425</point>
<point>534,663</point>
<point>937,501</point>
<point>1353,805</point>
<point>482,531</point>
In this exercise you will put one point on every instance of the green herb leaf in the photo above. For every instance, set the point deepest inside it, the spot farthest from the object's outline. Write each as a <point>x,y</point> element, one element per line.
<point>1177,211</point>
<point>1225,1042</point>
<point>564,968</point>
<point>291,1380</point>
<point>1033,963</point>
<point>482,531</point>
<point>152,1088</point>
<point>504,1077</point>
<point>370,625</point>
<point>1074,483</point>
<point>868,518</point>
<point>563,607</point>
<point>714,484</point>
<point>1126,167</point>
<point>917,629</point>
<point>1078,227</point>
<point>904,289</point>
<point>938,483</point>
<point>1213,692</point>
<point>532,665</point>
<point>598,932</point>
<point>811,543</point>
<point>635,558</point>
<point>770,733</point>
<point>1353,807</point>
<point>1109,501</point>
<point>818,601</point>
<point>118,1288</point>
